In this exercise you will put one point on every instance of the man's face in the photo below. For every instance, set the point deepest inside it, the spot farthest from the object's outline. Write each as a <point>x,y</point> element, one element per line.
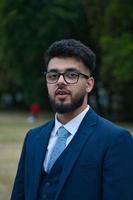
<point>66,97</point>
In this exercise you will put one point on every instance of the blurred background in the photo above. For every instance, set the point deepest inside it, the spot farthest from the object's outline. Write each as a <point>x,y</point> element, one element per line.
<point>27,28</point>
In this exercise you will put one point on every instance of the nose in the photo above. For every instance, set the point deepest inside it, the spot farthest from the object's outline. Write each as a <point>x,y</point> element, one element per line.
<point>61,79</point>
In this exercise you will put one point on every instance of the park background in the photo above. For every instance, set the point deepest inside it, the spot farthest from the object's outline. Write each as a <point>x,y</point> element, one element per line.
<point>27,28</point>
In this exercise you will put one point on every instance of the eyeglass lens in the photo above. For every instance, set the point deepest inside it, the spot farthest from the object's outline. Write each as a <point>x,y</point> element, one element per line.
<point>70,77</point>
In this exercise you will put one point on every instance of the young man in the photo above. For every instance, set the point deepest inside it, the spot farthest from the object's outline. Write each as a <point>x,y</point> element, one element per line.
<point>78,155</point>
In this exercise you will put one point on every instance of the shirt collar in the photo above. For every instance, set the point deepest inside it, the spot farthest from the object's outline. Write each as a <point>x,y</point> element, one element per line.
<point>69,125</point>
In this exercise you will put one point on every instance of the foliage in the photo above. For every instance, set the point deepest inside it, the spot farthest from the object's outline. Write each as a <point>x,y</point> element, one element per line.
<point>117,50</point>
<point>117,61</point>
<point>27,29</point>
<point>110,29</point>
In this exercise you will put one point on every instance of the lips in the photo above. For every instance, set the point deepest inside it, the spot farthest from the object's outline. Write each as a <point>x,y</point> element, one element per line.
<point>62,92</point>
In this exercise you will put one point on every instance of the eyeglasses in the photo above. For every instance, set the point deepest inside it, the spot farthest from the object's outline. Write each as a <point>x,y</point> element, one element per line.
<point>70,77</point>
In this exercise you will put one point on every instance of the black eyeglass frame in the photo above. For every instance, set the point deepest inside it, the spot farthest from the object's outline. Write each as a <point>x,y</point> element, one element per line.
<point>63,74</point>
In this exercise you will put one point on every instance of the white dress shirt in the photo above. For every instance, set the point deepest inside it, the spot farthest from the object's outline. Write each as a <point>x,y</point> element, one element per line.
<point>71,126</point>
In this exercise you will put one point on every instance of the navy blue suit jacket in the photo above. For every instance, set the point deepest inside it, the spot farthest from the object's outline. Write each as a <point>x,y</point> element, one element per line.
<point>99,165</point>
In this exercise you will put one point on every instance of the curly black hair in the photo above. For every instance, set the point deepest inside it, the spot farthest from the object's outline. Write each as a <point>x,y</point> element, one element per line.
<point>71,48</point>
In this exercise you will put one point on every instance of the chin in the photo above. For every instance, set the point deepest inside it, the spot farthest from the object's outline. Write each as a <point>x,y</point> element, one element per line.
<point>66,106</point>
<point>63,108</point>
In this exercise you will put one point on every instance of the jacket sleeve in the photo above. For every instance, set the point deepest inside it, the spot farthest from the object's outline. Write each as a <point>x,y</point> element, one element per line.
<point>118,169</point>
<point>18,188</point>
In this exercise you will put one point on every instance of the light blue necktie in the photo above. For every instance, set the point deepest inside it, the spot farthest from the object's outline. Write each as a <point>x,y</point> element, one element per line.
<point>60,145</point>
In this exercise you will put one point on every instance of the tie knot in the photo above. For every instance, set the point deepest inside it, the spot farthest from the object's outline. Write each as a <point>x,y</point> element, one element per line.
<point>62,132</point>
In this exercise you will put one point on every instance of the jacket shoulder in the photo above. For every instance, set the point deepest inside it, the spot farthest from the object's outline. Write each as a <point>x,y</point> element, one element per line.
<point>42,128</point>
<point>112,131</point>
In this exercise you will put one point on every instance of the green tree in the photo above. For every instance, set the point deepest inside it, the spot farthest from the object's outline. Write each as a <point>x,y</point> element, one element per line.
<point>27,29</point>
<point>117,51</point>
<point>110,30</point>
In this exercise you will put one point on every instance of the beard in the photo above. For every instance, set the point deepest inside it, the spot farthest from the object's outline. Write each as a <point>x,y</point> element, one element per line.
<point>63,108</point>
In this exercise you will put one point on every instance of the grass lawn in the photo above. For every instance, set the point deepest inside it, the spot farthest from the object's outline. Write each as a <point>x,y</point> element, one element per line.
<point>13,127</point>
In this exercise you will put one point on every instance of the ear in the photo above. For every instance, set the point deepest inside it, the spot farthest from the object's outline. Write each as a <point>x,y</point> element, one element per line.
<point>90,84</point>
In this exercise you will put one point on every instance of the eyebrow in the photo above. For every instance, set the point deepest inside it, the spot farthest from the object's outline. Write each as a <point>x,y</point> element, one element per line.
<point>72,69</point>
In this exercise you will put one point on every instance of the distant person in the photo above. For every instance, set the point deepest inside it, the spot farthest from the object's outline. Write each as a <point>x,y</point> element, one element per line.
<point>78,155</point>
<point>34,111</point>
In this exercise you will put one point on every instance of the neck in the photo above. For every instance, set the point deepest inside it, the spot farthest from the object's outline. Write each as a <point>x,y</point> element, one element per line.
<point>66,117</point>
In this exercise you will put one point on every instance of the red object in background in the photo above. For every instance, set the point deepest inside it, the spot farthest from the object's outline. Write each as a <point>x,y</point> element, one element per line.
<point>35,109</point>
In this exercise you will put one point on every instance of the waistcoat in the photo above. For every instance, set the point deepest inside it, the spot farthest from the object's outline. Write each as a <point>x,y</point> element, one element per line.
<point>49,182</point>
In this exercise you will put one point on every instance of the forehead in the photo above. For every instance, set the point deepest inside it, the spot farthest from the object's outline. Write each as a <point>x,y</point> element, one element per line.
<point>65,63</point>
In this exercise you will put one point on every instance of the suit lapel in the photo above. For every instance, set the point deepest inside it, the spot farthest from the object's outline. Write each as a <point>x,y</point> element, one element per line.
<point>81,137</point>
<point>39,150</point>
